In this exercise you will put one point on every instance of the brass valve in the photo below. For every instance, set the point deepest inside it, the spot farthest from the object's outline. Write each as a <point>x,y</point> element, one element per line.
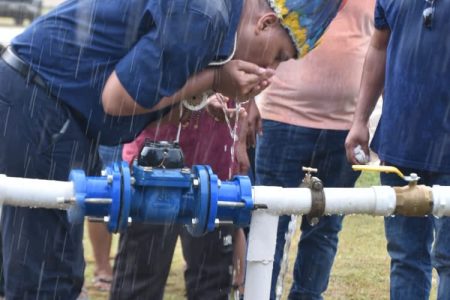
<point>412,200</point>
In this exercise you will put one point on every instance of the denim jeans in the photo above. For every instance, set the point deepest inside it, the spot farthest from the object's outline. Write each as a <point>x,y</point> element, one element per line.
<point>110,154</point>
<point>40,138</point>
<point>281,152</point>
<point>410,246</point>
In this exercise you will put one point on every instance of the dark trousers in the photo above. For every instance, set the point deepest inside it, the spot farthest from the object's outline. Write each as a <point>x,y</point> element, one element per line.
<point>416,245</point>
<point>39,138</point>
<point>280,154</point>
<point>145,254</point>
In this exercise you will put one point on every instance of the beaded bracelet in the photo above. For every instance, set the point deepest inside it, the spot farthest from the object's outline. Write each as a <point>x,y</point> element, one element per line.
<point>199,106</point>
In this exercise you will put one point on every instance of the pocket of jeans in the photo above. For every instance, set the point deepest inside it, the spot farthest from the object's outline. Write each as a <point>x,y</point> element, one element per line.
<point>51,121</point>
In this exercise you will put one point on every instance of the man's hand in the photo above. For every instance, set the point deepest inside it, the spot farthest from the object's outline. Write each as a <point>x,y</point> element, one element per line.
<point>217,108</point>
<point>241,80</point>
<point>358,135</point>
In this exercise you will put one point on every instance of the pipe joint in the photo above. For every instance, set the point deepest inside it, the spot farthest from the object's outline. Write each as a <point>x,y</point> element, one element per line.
<point>317,196</point>
<point>413,200</point>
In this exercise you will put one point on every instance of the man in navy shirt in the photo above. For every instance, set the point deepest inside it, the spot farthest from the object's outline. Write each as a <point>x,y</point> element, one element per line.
<point>96,72</point>
<point>409,60</point>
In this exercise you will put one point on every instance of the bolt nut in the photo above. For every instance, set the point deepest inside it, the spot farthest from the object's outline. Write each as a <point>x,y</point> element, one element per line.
<point>185,170</point>
<point>110,178</point>
<point>103,173</point>
<point>194,221</point>
<point>219,183</point>
<point>130,220</point>
<point>133,181</point>
<point>106,219</point>
<point>195,182</point>
<point>414,176</point>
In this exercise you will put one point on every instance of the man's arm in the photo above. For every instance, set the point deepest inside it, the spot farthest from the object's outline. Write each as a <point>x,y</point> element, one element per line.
<point>118,102</point>
<point>237,79</point>
<point>372,83</point>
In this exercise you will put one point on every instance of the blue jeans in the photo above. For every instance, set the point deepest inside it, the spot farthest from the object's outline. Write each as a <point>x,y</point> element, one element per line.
<point>281,152</point>
<point>40,138</point>
<point>110,154</point>
<point>409,243</point>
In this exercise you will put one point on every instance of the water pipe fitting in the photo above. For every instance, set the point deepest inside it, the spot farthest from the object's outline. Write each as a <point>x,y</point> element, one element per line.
<point>413,200</point>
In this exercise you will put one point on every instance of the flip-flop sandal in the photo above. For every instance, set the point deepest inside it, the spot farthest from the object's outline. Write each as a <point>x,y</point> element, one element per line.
<point>102,283</point>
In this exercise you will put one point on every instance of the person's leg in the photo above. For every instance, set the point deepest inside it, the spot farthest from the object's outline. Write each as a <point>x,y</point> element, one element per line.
<point>441,248</point>
<point>239,250</point>
<point>441,256</point>
<point>101,240</point>
<point>318,244</point>
<point>143,261</point>
<point>280,154</point>
<point>283,224</point>
<point>2,278</point>
<point>409,242</point>
<point>209,261</point>
<point>42,251</point>
<point>98,233</point>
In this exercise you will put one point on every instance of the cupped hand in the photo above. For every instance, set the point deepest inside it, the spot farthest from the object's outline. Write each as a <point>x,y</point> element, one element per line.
<point>241,80</point>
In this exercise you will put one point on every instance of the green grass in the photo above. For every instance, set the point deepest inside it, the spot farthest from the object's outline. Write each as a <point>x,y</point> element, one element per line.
<point>360,271</point>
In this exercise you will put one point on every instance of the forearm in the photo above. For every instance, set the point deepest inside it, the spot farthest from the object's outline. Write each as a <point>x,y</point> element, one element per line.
<point>195,86</point>
<point>117,102</point>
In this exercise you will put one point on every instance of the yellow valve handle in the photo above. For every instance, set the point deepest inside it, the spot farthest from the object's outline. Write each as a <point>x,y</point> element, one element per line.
<point>384,169</point>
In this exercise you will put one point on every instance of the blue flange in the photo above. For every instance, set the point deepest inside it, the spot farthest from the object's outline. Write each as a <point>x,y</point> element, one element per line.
<point>76,213</point>
<point>116,188</point>
<point>213,198</point>
<point>125,196</point>
<point>200,207</point>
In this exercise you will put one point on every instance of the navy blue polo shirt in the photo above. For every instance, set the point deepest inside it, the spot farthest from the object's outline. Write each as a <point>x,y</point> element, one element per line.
<point>414,130</point>
<point>154,46</point>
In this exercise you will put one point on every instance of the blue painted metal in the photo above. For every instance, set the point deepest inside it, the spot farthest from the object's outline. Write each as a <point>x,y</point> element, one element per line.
<point>76,213</point>
<point>237,190</point>
<point>213,198</point>
<point>115,189</point>
<point>126,196</point>
<point>161,196</point>
<point>197,225</point>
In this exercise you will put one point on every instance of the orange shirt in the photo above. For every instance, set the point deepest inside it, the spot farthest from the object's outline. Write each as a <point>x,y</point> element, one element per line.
<point>320,90</point>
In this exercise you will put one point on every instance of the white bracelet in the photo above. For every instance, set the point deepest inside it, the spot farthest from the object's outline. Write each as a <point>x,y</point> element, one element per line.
<point>199,106</point>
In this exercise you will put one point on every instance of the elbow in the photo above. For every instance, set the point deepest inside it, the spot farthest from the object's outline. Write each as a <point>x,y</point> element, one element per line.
<point>113,95</point>
<point>109,104</point>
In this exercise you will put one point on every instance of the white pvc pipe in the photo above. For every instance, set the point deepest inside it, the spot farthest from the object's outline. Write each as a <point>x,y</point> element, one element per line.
<point>378,200</point>
<point>34,192</point>
<point>283,201</point>
<point>441,200</point>
<point>260,253</point>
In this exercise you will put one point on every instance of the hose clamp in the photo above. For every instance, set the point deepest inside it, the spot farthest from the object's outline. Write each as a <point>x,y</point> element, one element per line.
<point>317,196</point>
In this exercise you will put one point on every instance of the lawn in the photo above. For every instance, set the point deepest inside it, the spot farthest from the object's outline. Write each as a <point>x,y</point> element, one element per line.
<point>361,269</point>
